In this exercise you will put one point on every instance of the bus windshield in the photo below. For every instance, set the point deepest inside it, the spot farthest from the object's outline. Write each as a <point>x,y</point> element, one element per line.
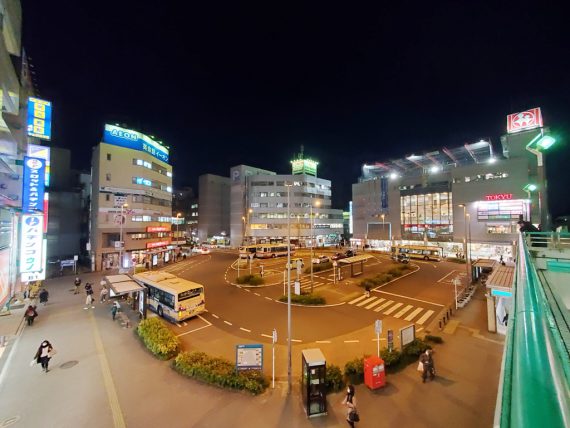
<point>424,252</point>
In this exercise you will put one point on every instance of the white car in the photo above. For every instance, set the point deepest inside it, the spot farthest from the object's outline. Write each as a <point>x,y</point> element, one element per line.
<point>294,263</point>
<point>321,259</point>
<point>204,251</point>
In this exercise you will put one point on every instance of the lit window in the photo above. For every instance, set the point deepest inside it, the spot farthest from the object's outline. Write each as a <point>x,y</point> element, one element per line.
<point>168,174</point>
<point>169,189</point>
<point>139,162</point>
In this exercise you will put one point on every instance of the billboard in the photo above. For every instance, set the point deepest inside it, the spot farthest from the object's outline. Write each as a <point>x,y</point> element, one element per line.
<point>40,152</point>
<point>31,243</point>
<point>130,139</point>
<point>524,120</point>
<point>304,166</point>
<point>33,181</point>
<point>39,118</point>
<point>41,275</point>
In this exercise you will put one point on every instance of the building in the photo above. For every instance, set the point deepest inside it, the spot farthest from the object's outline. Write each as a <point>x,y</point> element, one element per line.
<point>456,198</point>
<point>131,200</point>
<point>213,209</point>
<point>182,201</point>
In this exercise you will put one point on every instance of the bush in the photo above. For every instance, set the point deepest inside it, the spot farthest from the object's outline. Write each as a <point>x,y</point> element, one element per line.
<point>434,339</point>
<point>354,370</point>
<point>456,260</point>
<point>250,280</point>
<point>415,348</point>
<point>220,372</point>
<point>158,338</point>
<point>319,267</point>
<point>305,299</point>
<point>391,358</point>
<point>334,380</point>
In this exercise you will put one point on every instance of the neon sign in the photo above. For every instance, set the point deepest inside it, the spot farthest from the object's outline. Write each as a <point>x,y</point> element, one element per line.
<point>134,140</point>
<point>157,229</point>
<point>157,244</point>
<point>39,118</point>
<point>31,249</point>
<point>33,180</point>
<point>524,120</point>
<point>499,197</point>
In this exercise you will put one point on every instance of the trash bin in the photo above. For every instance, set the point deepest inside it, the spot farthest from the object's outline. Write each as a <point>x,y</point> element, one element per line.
<point>374,373</point>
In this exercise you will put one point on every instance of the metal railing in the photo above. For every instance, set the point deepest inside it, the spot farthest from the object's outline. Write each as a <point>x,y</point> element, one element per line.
<point>534,388</point>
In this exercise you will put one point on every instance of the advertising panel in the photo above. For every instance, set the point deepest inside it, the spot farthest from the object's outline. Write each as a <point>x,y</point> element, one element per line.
<point>40,152</point>
<point>304,166</point>
<point>33,181</point>
<point>134,140</point>
<point>157,244</point>
<point>384,192</point>
<point>31,249</point>
<point>158,228</point>
<point>249,357</point>
<point>39,118</point>
<point>524,120</point>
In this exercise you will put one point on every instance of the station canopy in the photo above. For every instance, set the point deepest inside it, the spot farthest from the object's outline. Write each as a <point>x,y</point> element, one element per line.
<point>122,284</point>
<point>355,259</point>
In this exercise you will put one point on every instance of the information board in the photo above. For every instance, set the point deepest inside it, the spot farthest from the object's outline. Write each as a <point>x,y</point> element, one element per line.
<point>249,357</point>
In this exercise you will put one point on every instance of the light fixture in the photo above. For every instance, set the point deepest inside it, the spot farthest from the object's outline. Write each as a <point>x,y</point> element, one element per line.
<point>530,187</point>
<point>393,175</point>
<point>492,160</point>
<point>541,142</point>
<point>434,169</point>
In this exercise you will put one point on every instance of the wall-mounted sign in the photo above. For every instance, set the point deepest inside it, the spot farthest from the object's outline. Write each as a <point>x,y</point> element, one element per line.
<point>499,197</point>
<point>157,244</point>
<point>31,249</point>
<point>158,229</point>
<point>524,120</point>
<point>40,152</point>
<point>33,181</point>
<point>134,140</point>
<point>39,118</point>
<point>41,275</point>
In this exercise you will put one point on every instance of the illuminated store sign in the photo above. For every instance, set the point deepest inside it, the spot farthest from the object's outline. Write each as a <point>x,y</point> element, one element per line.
<point>157,229</point>
<point>157,244</point>
<point>41,275</point>
<point>499,197</point>
<point>39,118</point>
<point>40,152</point>
<point>524,120</point>
<point>31,250</point>
<point>304,166</point>
<point>134,140</point>
<point>33,180</point>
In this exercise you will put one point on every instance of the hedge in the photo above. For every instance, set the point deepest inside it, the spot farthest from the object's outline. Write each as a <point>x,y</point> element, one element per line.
<point>250,280</point>
<point>319,267</point>
<point>354,370</point>
<point>219,372</point>
<point>434,339</point>
<point>383,278</point>
<point>334,380</point>
<point>158,338</point>
<point>305,299</point>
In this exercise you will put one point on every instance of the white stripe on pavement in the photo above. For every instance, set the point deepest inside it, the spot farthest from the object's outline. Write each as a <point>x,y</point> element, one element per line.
<point>365,302</point>
<point>228,323</point>
<point>358,299</point>
<point>409,298</point>
<point>245,329</point>
<point>377,302</point>
<point>425,317</point>
<point>403,311</point>
<point>413,314</point>
<point>393,308</point>
<point>385,305</point>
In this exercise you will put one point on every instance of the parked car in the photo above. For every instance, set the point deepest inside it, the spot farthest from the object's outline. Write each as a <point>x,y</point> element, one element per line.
<point>338,256</point>
<point>321,259</point>
<point>294,263</point>
<point>350,253</point>
<point>403,258</point>
<point>201,250</point>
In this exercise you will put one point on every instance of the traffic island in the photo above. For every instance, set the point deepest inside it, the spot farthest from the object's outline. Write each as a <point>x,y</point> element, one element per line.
<point>305,299</point>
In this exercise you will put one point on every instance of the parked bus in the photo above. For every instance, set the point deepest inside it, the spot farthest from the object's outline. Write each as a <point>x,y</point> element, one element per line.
<point>418,252</point>
<point>173,298</point>
<point>246,250</point>
<point>267,251</point>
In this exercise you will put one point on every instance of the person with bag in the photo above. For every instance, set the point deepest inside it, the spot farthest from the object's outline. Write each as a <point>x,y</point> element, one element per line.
<point>350,403</point>
<point>44,295</point>
<point>44,354</point>
<point>30,314</point>
<point>427,365</point>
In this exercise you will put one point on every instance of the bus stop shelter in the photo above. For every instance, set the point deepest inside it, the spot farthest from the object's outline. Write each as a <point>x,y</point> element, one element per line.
<point>482,266</point>
<point>354,263</point>
<point>120,285</point>
<point>499,297</point>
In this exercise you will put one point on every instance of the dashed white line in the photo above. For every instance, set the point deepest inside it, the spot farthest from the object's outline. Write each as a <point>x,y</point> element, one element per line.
<point>268,298</point>
<point>178,325</point>
<point>351,341</point>
<point>257,294</point>
<point>323,341</point>
<point>245,329</point>
<point>228,323</point>
<point>215,316</point>
<point>267,335</point>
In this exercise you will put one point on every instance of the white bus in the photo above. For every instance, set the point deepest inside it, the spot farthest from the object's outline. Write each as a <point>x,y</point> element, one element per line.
<point>268,251</point>
<point>173,298</point>
<point>246,250</point>
<point>424,252</point>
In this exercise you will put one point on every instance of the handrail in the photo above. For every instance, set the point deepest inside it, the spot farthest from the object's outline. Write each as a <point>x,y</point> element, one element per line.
<point>535,389</point>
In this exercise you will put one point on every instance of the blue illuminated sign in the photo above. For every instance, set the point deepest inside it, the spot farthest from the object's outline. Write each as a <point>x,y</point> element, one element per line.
<point>134,140</point>
<point>34,181</point>
<point>501,293</point>
<point>39,118</point>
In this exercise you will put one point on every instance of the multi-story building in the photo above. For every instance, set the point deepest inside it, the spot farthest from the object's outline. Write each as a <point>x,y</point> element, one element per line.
<point>182,201</point>
<point>213,208</point>
<point>468,194</point>
<point>131,200</point>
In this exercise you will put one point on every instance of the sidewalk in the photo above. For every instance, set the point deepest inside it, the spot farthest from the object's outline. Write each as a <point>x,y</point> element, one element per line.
<point>103,377</point>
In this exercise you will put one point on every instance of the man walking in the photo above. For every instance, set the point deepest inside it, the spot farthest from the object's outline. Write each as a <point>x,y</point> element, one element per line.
<point>77,284</point>
<point>429,368</point>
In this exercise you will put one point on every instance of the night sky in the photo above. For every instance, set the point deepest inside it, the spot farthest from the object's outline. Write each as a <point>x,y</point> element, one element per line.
<point>224,84</point>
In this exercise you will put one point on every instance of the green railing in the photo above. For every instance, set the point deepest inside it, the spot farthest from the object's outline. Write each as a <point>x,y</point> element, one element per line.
<point>534,389</point>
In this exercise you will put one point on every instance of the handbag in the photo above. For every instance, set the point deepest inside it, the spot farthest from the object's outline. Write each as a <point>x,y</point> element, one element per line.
<point>353,416</point>
<point>420,366</point>
<point>33,362</point>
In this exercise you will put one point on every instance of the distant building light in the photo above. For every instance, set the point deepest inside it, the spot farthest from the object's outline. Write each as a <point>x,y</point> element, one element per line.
<point>393,176</point>
<point>435,169</point>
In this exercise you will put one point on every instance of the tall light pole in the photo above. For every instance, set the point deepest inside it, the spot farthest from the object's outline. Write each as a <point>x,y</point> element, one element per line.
<point>177,220</point>
<point>383,217</point>
<point>537,146</point>
<point>289,374</point>
<point>317,203</point>
<point>123,206</point>
<point>464,206</point>
<point>469,240</point>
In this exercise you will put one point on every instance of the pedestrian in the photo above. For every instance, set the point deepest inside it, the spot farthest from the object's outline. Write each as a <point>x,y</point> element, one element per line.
<point>114,310</point>
<point>44,354</point>
<point>44,295</point>
<point>77,284</point>
<point>103,295</point>
<point>88,301</point>
<point>350,403</point>
<point>367,291</point>
<point>30,314</point>
<point>88,288</point>
<point>428,366</point>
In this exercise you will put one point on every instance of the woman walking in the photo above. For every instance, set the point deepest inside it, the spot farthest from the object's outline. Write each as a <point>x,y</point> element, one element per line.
<point>31,314</point>
<point>44,354</point>
<point>350,403</point>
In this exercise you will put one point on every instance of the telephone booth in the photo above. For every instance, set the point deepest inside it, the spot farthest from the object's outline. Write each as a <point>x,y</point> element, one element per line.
<point>313,387</point>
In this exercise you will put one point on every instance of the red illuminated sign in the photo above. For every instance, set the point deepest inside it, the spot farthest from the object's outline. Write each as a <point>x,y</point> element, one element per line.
<point>158,229</point>
<point>499,197</point>
<point>157,244</point>
<point>529,119</point>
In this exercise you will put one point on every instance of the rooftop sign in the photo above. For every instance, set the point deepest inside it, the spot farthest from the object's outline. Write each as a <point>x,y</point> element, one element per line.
<point>304,166</point>
<point>134,140</point>
<point>524,120</point>
<point>39,118</point>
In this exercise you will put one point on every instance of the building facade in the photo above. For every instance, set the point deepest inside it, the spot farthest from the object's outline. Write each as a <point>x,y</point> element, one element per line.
<point>213,209</point>
<point>131,201</point>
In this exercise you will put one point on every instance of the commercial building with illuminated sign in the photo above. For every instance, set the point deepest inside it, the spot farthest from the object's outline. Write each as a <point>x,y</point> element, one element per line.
<point>39,118</point>
<point>33,182</point>
<point>450,196</point>
<point>31,248</point>
<point>131,194</point>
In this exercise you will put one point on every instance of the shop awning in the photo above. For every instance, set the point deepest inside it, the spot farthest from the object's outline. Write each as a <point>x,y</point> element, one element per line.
<point>122,284</point>
<point>501,277</point>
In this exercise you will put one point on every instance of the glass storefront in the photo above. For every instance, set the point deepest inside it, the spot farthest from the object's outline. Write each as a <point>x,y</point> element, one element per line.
<point>427,216</point>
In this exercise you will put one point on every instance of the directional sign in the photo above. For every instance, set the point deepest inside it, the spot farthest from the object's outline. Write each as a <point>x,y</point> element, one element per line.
<point>378,326</point>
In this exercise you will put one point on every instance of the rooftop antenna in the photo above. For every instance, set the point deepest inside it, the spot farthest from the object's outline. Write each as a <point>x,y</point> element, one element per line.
<point>302,150</point>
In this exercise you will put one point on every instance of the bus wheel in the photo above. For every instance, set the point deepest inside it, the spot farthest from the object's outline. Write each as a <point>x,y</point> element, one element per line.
<point>273,256</point>
<point>426,258</point>
<point>160,312</point>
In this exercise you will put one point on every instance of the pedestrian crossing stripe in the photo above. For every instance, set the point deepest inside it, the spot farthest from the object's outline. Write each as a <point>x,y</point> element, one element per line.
<point>403,311</point>
<point>425,317</point>
<point>413,314</point>
<point>377,302</point>
<point>364,302</point>
<point>358,299</point>
<point>393,308</point>
<point>385,305</point>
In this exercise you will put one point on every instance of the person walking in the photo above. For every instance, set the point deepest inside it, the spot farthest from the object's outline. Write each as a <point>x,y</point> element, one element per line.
<point>428,365</point>
<point>44,295</point>
<point>77,284</point>
<point>114,310</point>
<point>88,288</point>
<point>30,314</point>
<point>103,295</point>
<point>44,354</point>
<point>350,403</point>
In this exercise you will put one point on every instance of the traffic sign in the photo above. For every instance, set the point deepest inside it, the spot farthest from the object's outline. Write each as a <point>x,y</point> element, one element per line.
<point>378,326</point>
<point>390,340</point>
<point>274,335</point>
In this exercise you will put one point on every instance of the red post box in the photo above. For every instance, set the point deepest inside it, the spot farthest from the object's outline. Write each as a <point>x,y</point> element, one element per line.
<point>374,373</point>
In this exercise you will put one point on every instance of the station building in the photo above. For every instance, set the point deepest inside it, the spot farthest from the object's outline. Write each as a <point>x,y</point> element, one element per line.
<point>453,198</point>
<point>131,196</point>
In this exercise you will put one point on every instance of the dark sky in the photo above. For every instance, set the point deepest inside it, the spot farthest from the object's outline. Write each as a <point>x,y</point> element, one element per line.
<point>224,84</point>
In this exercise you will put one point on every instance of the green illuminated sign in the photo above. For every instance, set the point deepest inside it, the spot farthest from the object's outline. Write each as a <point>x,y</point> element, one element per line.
<point>304,166</point>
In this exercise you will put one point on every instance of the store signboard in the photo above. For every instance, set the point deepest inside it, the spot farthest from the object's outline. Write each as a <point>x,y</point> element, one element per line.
<point>158,229</point>
<point>499,197</point>
<point>33,182</point>
<point>31,249</point>
<point>157,244</point>
<point>407,335</point>
<point>41,275</point>
<point>524,120</point>
<point>304,166</point>
<point>131,139</point>
<point>40,152</point>
<point>119,200</point>
<point>39,118</point>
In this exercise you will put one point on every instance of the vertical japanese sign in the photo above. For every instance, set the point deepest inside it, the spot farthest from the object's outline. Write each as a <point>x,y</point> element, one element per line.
<point>33,181</point>
<point>39,118</point>
<point>384,192</point>
<point>31,244</point>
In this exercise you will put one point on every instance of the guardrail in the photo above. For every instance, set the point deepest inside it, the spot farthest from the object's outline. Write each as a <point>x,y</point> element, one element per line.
<point>550,240</point>
<point>534,389</point>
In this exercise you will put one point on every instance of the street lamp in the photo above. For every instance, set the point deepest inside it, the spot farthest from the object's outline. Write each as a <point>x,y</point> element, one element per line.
<point>289,374</point>
<point>529,188</point>
<point>317,204</point>
<point>123,206</point>
<point>464,206</point>
<point>469,242</point>
<point>177,220</point>
<point>246,224</point>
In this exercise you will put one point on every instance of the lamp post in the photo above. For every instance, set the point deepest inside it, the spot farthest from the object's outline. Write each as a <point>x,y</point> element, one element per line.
<point>123,206</point>
<point>317,203</point>
<point>245,224</point>
<point>537,146</point>
<point>177,220</point>
<point>529,188</point>
<point>289,374</point>
<point>469,242</point>
<point>464,206</point>
<point>383,217</point>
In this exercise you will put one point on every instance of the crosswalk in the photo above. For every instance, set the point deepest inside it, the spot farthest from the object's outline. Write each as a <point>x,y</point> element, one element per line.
<point>306,282</point>
<point>394,309</point>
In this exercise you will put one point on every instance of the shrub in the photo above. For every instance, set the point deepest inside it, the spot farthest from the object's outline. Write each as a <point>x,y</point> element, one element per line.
<point>158,338</point>
<point>354,370</point>
<point>334,380</point>
<point>391,358</point>
<point>383,278</point>
<point>415,348</point>
<point>220,372</point>
<point>434,339</point>
<point>318,267</point>
<point>456,260</point>
<point>305,299</point>
<point>250,280</point>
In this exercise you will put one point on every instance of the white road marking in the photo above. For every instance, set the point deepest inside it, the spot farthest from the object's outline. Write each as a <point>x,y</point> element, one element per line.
<point>296,340</point>
<point>245,329</point>
<point>196,329</point>
<point>228,323</point>
<point>267,335</point>
<point>351,341</point>
<point>215,316</point>
<point>323,341</point>
<point>443,278</point>
<point>178,325</point>
<point>268,298</point>
<point>365,302</point>
<point>385,305</point>
<point>419,329</point>
<point>412,315</point>
<point>257,294</point>
<point>411,298</point>
<point>393,308</point>
<point>358,299</point>
<point>377,302</point>
<point>184,323</point>
<point>425,317</point>
<point>403,311</point>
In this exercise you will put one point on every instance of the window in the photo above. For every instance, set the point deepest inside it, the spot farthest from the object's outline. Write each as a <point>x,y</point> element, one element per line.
<point>108,176</point>
<point>501,228</point>
<point>107,197</point>
<point>108,156</point>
